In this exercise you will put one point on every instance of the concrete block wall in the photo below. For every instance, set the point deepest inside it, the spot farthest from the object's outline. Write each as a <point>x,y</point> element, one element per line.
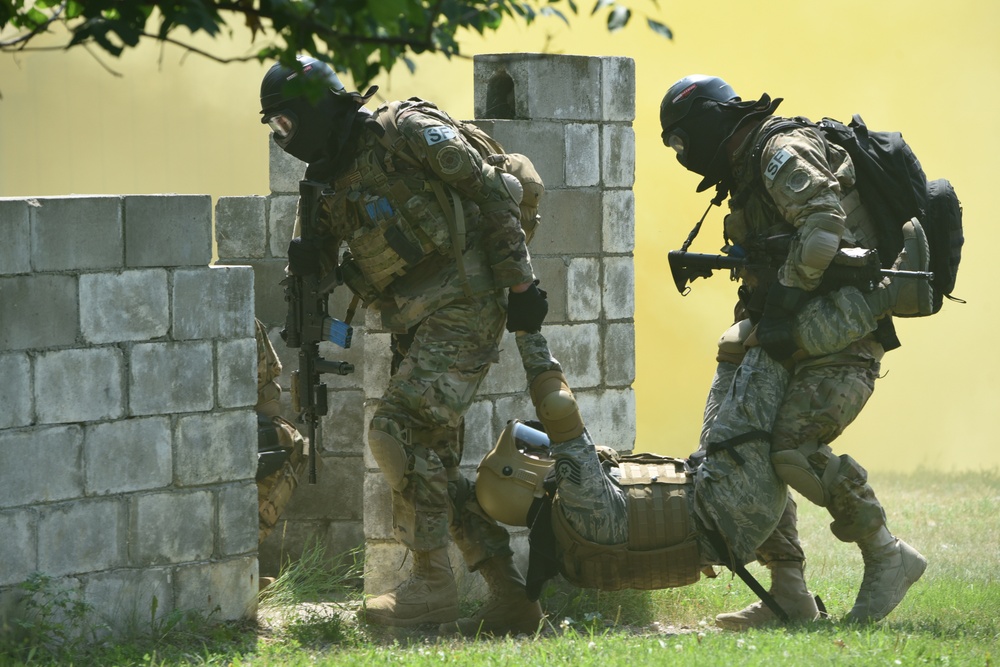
<point>127,435</point>
<point>572,116</point>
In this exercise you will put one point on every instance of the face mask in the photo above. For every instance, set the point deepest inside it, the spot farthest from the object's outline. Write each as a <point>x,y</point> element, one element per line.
<point>310,131</point>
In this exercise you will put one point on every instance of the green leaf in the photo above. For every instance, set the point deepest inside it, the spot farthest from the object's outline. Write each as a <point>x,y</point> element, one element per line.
<point>551,11</point>
<point>601,4</point>
<point>660,29</point>
<point>618,18</point>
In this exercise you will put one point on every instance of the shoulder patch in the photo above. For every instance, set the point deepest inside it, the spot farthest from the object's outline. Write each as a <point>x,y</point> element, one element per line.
<point>774,166</point>
<point>437,134</point>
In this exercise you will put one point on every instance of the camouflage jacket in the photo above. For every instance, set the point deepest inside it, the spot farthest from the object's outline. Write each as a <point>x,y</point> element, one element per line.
<point>394,209</point>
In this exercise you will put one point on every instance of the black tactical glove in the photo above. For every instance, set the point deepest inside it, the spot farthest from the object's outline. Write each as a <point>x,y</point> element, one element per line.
<point>304,257</point>
<point>526,310</point>
<point>774,331</point>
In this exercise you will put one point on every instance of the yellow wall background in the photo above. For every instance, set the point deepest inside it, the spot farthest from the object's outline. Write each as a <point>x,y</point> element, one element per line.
<point>180,124</point>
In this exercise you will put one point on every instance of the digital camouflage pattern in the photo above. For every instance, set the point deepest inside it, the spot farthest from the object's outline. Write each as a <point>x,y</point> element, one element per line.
<point>811,186</point>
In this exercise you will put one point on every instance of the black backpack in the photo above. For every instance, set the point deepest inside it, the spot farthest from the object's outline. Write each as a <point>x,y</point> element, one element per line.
<point>894,189</point>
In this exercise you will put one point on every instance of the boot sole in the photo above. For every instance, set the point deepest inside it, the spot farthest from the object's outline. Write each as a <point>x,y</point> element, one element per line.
<point>437,617</point>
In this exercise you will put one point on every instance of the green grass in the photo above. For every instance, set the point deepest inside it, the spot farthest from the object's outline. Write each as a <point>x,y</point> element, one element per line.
<point>950,617</point>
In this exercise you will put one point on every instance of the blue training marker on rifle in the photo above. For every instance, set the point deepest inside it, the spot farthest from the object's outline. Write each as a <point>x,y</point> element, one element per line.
<point>337,332</point>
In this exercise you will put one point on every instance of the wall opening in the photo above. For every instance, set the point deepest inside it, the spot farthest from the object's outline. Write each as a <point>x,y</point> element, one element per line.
<point>500,96</point>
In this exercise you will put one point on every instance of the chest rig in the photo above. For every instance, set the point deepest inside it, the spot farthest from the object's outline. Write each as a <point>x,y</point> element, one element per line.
<point>661,551</point>
<point>391,214</point>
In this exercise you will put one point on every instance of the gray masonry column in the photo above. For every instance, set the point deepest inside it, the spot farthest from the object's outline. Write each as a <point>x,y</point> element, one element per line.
<point>127,435</point>
<point>572,116</point>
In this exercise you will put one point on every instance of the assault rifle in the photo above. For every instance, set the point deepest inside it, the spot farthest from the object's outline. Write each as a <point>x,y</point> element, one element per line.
<point>859,267</point>
<point>307,323</point>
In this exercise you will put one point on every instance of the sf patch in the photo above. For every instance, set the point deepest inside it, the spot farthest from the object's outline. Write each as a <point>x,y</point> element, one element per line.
<point>437,134</point>
<point>776,163</point>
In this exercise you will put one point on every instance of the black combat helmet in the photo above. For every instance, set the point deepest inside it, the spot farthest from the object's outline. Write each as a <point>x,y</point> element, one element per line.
<point>698,115</point>
<point>309,129</point>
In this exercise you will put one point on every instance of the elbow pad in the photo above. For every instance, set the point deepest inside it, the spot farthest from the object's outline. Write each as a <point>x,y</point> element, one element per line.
<point>820,244</point>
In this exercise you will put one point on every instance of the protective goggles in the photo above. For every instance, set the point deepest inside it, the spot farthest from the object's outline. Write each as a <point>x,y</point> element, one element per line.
<point>676,139</point>
<point>282,124</point>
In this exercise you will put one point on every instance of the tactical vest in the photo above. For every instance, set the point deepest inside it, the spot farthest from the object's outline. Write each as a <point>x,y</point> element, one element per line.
<point>661,551</point>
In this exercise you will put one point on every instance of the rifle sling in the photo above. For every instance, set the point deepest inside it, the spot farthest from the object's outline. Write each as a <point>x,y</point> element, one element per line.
<point>719,544</point>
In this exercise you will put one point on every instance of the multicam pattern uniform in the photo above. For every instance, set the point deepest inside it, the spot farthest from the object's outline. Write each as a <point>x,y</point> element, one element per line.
<point>811,186</point>
<point>385,210</point>
<point>742,500</point>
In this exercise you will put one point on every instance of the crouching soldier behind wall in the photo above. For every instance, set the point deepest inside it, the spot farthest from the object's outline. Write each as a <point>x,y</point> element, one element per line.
<point>281,451</point>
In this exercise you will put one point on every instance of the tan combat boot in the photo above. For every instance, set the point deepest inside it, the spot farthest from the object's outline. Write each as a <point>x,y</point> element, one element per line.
<point>891,567</point>
<point>788,588</point>
<point>507,610</point>
<point>429,595</point>
<point>906,297</point>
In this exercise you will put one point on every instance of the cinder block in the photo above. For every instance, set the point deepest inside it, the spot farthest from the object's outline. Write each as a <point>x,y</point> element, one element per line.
<point>506,375</point>
<point>18,548</point>
<point>583,155</point>
<point>15,391</point>
<point>619,288</point>
<point>543,142</point>
<point>479,434</point>
<point>619,354</point>
<point>79,385</point>
<point>619,221</point>
<point>238,518</point>
<point>553,274</point>
<point>237,373</point>
<point>213,302</point>
<point>281,222</point>
<point>38,311</point>
<point>511,407</point>
<point>130,600</point>
<point>337,494</point>
<point>241,227</point>
<point>15,230</point>
<point>127,455</point>
<point>171,527</point>
<point>285,171</point>
<point>165,378</point>
<point>617,156</point>
<point>617,88</point>
<point>73,233</point>
<point>225,590</point>
<point>168,230</point>
<point>537,86</point>
<point>49,465</point>
<point>610,417</point>
<point>577,347</point>
<point>343,427</point>
<point>377,362</point>
<point>215,447</point>
<point>583,289</point>
<point>571,223</point>
<point>131,305</point>
<point>268,294</point>
<point>378,507</point>
<point>81,536</point>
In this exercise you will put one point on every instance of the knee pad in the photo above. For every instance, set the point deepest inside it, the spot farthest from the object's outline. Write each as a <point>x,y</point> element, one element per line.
<point>731,343</point>
<point>556,406</point>
<point>389,452</point>
<point>794,469</point>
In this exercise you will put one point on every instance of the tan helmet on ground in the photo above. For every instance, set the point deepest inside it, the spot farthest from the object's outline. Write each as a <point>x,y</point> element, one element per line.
<point>510,477</point>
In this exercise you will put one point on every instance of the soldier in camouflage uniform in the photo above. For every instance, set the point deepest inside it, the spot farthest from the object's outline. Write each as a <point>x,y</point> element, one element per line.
<point>435,244</point>
<point>796,183</point>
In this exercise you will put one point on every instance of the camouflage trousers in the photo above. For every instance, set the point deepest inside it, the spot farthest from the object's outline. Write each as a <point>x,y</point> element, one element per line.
<point>440,369</point>
<point>736,490</point>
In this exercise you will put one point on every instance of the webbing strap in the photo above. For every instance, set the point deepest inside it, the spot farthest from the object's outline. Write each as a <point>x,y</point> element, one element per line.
<point>456,226</point>
<point>730,444</point>
<point>719,544</point>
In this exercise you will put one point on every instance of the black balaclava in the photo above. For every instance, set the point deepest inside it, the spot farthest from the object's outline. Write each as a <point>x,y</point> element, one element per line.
<point>710,126</point>
<point>321,129</point>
